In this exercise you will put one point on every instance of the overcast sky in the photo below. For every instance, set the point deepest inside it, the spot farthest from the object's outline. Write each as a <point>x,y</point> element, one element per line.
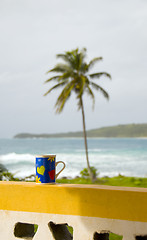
<point>32,32</point>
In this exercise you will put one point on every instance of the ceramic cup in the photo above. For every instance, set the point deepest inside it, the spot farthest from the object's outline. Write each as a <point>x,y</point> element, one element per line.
<point>46,168</point>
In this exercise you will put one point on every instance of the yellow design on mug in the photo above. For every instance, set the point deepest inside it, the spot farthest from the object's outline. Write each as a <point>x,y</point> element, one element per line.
<point>38,179</point>
<point>51,159</point>
<point>41,170</point>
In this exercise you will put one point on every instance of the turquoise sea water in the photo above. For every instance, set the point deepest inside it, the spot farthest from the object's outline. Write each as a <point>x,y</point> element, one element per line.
<point>111,156</point>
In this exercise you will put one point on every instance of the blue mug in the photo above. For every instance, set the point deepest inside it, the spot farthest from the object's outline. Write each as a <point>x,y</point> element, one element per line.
<point>46,168</point>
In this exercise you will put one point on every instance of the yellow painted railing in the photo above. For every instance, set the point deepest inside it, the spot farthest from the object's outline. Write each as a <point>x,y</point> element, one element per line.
<point>92,211</point>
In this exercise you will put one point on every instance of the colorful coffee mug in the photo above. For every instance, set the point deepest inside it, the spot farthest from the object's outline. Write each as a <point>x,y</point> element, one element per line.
<point>46,168</point>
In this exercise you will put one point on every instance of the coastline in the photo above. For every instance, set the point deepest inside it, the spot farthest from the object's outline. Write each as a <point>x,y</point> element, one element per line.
<point>118,131</point>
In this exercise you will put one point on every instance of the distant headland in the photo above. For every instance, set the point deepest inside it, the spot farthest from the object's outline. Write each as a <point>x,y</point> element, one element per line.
<point>119,131</point>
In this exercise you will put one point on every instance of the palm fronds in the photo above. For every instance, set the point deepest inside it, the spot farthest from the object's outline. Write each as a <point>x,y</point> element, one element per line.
<point>93,62</point>
<point>52,78</point>
<point>64,96</point>
<point>91,94</point>
<point>99,88</point>
<point>55,86</point>
<point>72,76</point>
<point>60,68</point>
<point>98,75</point>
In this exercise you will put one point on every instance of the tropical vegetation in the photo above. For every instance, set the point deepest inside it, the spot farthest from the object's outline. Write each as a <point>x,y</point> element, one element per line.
<point>83,178</point>
<point>119,131</point>
<point>73,75</point>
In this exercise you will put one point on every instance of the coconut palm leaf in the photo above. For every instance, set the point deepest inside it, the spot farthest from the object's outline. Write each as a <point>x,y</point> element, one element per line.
<point>90,92</point>
<point>98,75</point>
<point>64,76</point>
<point>55,86</point>
<point>99,88</point>
<point>80,59</point>
<point>67,59</point>
<point>64,96</point>
<point>52,78</point>
<point>61,68</point>
<point>93,62</point>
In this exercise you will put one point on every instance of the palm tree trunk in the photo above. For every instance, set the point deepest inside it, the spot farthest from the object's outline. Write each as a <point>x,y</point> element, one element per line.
<point>85,140</point>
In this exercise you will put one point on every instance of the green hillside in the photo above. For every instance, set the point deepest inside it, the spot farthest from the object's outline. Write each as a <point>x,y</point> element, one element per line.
<point>129,130</point>
<point>119,131</point>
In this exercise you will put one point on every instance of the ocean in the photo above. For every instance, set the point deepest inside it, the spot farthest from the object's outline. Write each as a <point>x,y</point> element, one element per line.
<point>111,156</point>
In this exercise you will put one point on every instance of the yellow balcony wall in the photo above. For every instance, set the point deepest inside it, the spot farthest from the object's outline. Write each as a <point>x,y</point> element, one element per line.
<point>87,208</point>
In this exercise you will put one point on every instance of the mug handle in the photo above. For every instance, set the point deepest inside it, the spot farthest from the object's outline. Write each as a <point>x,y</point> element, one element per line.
<point>61,169</point>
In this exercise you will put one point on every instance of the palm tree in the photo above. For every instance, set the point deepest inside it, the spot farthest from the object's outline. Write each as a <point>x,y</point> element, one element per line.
<point>73,76</point>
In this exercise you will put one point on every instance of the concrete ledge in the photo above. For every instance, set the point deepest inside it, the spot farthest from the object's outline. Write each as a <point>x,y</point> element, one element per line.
<point>77,200</point>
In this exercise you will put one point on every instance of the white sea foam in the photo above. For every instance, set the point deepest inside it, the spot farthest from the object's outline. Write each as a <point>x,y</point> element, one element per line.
<point>14,157</point>
<point>110,157</point>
